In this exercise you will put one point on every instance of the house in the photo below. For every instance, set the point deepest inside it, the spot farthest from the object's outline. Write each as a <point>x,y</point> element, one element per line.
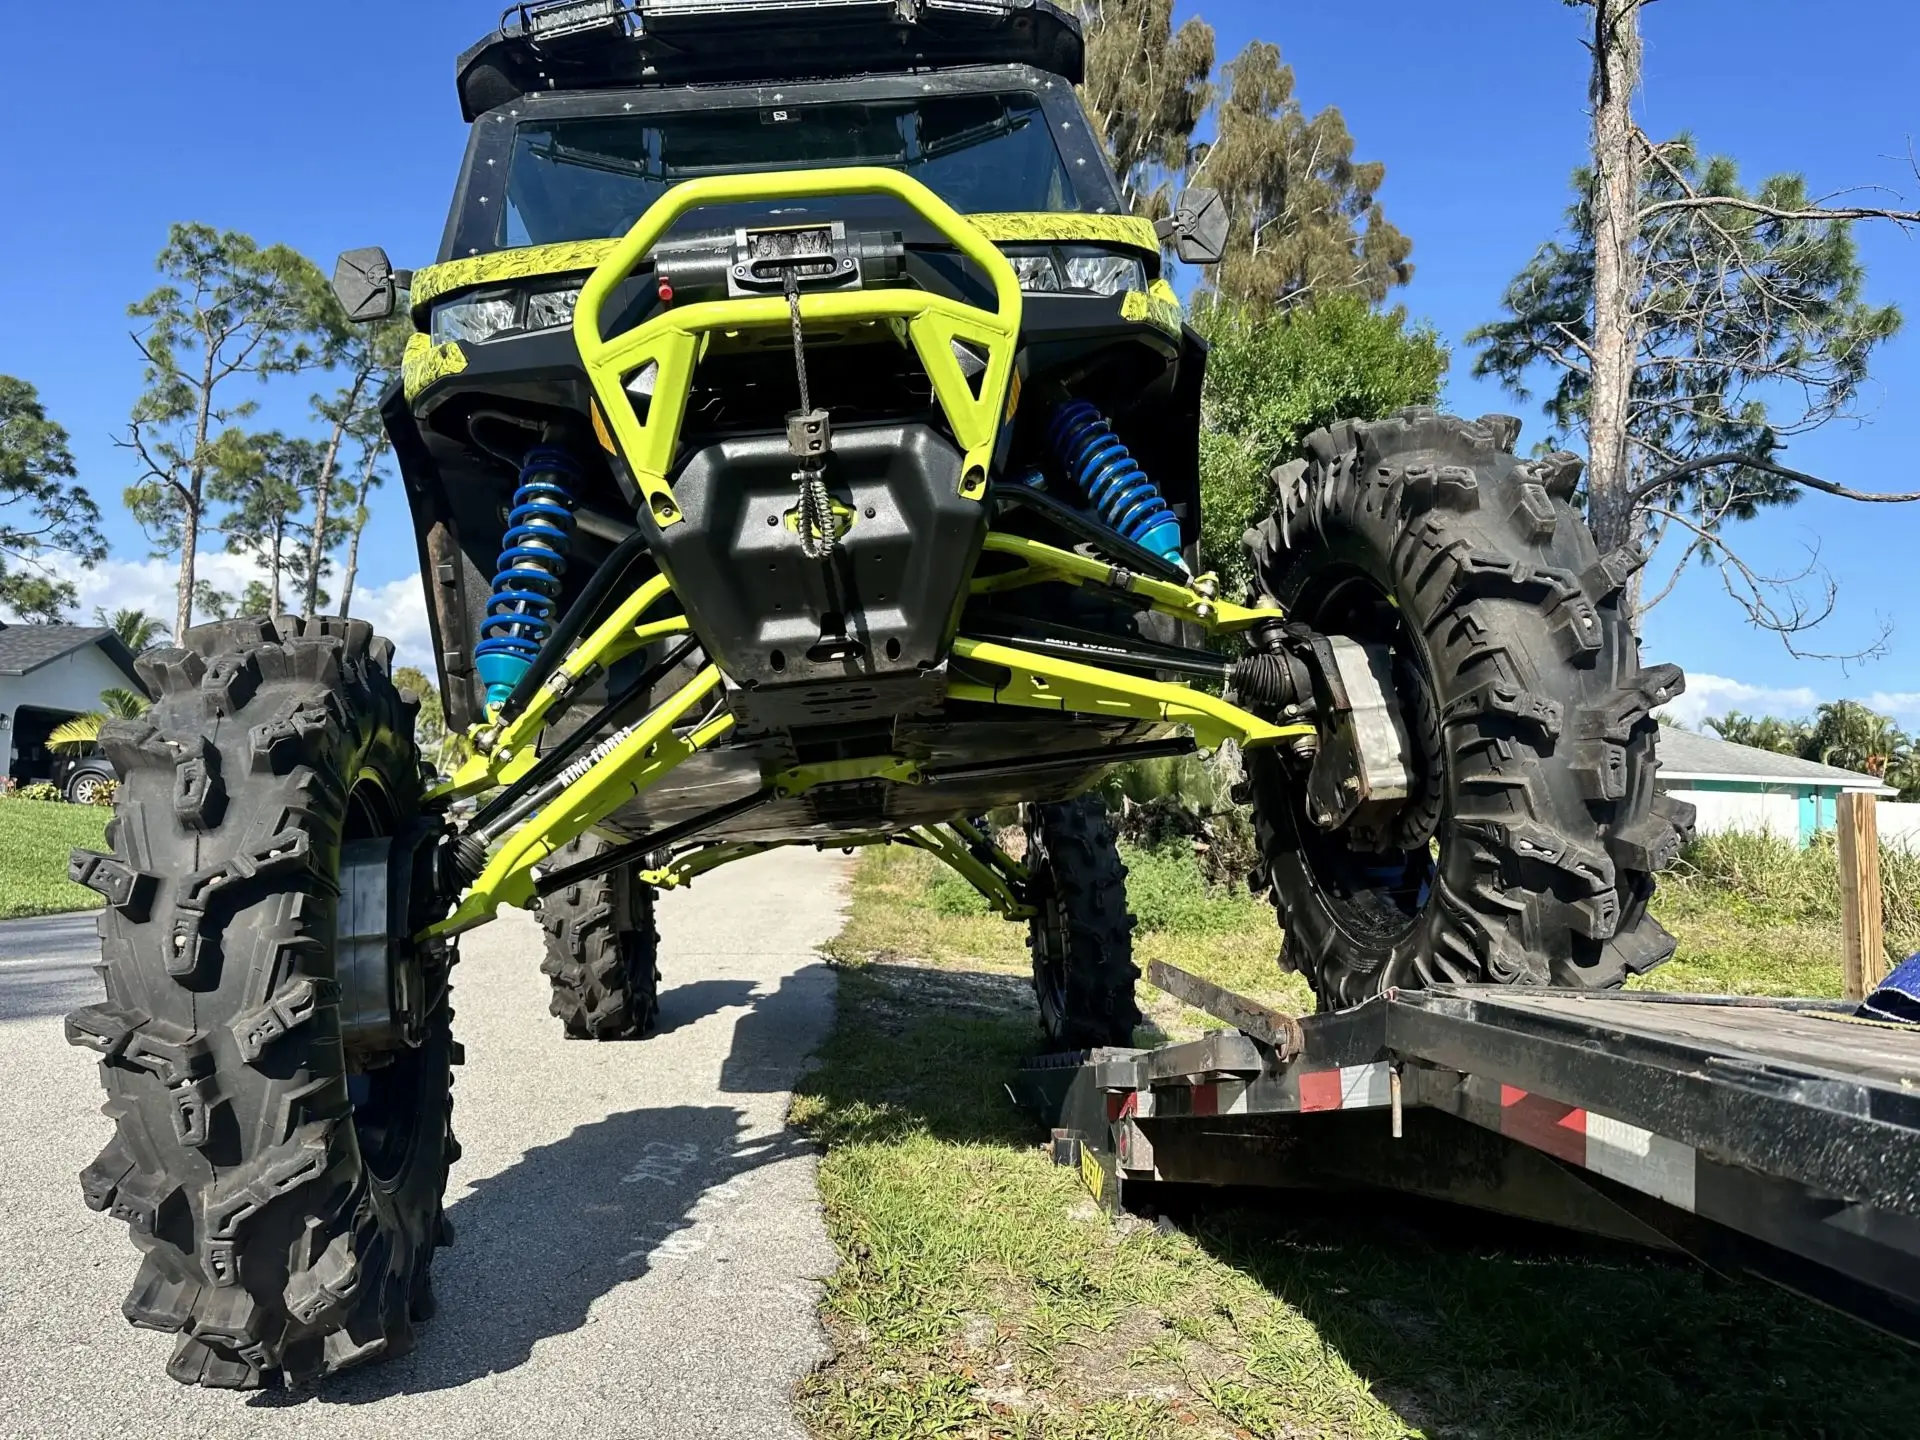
<point>1736,787</point>
<point>48,675</point>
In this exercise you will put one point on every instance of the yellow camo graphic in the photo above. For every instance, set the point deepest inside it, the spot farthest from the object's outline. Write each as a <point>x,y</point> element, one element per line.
<point>1045,228</point>
<point>502,266</point>
<point>1158,307</point>
<point>577,257</point>
<point>426,362</point>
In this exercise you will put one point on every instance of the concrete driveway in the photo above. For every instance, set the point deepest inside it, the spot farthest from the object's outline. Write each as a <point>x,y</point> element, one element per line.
<point>640,1240</point>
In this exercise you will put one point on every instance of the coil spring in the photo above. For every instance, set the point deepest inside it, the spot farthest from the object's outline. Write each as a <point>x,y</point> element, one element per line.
<point>1106,474</point>
<point>526,591</point>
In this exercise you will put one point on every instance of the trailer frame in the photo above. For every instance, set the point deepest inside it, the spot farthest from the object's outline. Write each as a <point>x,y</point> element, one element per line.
<point>1776,1137</point>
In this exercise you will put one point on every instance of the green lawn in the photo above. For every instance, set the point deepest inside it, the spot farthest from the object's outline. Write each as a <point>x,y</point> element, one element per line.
<point>35,840</point>
<point>982,1294</point>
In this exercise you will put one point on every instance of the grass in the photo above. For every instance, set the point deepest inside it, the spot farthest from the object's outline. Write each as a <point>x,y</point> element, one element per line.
<point>35,839</point>
<point>1757,915</point>
<point>982,1294</point>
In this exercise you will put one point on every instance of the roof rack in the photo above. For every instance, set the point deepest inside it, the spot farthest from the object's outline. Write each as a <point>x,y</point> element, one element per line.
<point>557,45</point>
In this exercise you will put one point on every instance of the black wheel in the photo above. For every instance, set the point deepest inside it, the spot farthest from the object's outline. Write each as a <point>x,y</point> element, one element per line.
<point>1082,937</point>
<point>602,952</point>
<point>1527,849</point>
<point>85,787</point>
<point>284,1187</point>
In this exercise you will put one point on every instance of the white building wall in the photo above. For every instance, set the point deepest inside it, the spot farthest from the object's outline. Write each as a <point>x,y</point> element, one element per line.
<point>72,683</point>
<point>1899,824</point>
<point>1775,812</point>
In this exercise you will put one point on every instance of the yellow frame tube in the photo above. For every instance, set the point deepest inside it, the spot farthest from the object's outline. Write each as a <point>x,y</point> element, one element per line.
<point>689,867</point>
<point>636,764</point>
<point>675,338</point>
<point>1040,682</point>
<point>949,850</point>
<point>512,752</point>
<point>1043,563</point>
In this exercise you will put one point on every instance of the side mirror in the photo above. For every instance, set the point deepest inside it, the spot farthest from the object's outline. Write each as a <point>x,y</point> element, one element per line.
<point>1198,227</point>
<point>367,286</point>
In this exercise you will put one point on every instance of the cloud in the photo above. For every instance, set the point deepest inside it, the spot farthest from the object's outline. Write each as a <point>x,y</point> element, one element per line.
<point>1903,705</point>
<point>397,609</point>
<point>1716,695</point>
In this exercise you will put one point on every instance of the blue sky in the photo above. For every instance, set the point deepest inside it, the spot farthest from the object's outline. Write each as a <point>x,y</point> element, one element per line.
<point>338,126</point>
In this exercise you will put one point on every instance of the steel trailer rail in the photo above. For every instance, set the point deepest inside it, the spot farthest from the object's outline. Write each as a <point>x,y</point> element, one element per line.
<point>1780,1137</point>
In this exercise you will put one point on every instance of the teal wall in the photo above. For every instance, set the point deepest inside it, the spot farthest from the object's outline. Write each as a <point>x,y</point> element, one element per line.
<point>1818,811</point>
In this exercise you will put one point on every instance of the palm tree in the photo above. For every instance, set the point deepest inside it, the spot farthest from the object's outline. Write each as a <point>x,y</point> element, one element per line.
<point>139,630</point>
<point>1763,732</point>
<point>82,733</point>
<point>1848,734</point>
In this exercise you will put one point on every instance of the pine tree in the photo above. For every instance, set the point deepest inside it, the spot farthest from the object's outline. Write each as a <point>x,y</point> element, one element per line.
<point>41,508</point>
<point>231,310</point>
<point>1689,326</point>
<point>1306,223</point>
<point>1147,88</point>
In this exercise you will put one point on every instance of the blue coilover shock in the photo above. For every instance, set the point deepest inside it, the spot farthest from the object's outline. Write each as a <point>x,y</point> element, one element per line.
<point>526,591</point>
<point>1105,473</point>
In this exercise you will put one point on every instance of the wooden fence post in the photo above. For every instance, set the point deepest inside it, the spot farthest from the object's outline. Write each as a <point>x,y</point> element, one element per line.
<point>1863,940</point>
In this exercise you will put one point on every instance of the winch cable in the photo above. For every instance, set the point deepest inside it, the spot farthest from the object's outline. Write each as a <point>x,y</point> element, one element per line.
<point>817,537</point>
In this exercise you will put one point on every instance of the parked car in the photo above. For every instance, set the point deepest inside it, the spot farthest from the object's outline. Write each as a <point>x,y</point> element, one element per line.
<point>80,777</point>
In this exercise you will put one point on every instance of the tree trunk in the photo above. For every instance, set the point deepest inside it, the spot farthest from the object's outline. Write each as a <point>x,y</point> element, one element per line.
<point>359,524</point>
<point>273,568</point>
<point>189,548</point>
<point>195,488</point>
<point>1616,188</point>
<point>322,494</point>
<point>353,567</point>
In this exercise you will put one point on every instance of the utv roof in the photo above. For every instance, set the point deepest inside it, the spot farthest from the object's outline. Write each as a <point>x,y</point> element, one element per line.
<point>605,44</point>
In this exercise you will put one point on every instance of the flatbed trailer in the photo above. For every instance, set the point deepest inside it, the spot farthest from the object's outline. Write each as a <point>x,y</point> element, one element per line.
<point>1778,1137</point>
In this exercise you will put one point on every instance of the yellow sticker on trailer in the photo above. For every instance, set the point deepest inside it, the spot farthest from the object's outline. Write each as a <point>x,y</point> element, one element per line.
<point>1091,1175</point>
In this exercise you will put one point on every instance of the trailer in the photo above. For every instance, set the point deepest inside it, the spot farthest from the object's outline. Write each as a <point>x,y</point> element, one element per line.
<point>1778,1137</point>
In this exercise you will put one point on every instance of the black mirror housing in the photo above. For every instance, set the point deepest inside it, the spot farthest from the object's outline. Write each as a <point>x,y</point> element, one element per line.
<point>367,286</point>
<point>1198,227</point>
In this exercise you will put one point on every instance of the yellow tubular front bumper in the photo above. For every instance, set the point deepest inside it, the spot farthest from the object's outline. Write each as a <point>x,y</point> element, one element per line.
<point>674,338</point>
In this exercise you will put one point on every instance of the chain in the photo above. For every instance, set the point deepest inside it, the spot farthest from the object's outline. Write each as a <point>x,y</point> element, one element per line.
<point>816,522</point>
<point>799,338</point>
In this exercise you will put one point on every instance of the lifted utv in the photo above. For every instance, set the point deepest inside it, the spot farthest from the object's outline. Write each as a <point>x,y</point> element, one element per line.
<point>801,441</point>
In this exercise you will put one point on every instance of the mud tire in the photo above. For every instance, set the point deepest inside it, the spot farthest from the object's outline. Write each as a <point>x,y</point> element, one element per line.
<point>602,951</point>
<point>1082,937</point>
<point>284,1233</point>
<point>1526,689</point>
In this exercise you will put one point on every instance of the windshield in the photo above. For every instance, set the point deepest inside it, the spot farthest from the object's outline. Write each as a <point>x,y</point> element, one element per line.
<point>593,178</point>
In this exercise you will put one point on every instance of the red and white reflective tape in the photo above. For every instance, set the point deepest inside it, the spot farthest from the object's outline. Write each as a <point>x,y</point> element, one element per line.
<point>1351,1087</point>
<point>1228,1097</point>
<point>1648,1162</point>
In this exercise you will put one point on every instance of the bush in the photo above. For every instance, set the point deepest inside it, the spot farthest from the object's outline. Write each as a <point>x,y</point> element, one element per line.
<point>951,893</point>
<point>1775,878</point>
<point>104,793</point>
<point>1273,377</point>
<point>39,791</point>
<point>1167,891</point>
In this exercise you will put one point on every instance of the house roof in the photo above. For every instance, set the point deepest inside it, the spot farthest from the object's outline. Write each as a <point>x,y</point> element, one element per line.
<point>1688,755</point>
<point>25,648</point>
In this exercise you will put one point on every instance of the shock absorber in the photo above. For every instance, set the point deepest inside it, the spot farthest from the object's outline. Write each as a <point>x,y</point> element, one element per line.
<point>1106,474</point>
<point>526,591</point>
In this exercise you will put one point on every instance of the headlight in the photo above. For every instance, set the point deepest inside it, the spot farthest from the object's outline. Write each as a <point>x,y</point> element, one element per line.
<point>473,321</point>
<point>552,309</point>
<point>477,319</point>
<point>1105,274</point>
<point>1038,274</point>
<point>1078,271</point>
